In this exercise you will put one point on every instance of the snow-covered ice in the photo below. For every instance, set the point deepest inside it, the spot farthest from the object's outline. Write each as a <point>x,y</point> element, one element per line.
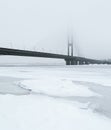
<point>57,87</point>
<point>43,113</point>
<point>55,97</point>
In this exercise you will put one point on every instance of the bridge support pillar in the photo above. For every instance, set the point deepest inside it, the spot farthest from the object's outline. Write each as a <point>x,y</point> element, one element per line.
<point>81,63</point>
<point>68,62</point>
<point>86,63</point>
<point>73,62</point>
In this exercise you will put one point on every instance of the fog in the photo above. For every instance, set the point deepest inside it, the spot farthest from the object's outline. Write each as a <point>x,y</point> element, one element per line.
<point>44,25</point>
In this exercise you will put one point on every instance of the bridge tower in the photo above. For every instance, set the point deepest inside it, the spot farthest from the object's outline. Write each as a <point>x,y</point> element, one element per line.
<point>70,61</point>
<point>70,46</point>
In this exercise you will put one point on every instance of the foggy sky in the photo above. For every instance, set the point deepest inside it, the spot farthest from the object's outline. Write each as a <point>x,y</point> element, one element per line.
<point>45,24</point>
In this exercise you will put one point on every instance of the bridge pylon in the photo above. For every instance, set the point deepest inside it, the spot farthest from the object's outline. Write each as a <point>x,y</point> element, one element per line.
<point>70,46</point>
<point>70,50</point>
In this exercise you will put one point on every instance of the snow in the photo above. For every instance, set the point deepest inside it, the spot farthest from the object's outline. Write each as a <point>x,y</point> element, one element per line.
<point>57,87</point>
<point>43,113</point>
<point>48,106</point>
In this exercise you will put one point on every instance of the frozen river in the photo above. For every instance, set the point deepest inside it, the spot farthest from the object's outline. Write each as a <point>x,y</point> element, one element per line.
<point>83,87</point>
<point>101,104</point>
<point>8,85</point>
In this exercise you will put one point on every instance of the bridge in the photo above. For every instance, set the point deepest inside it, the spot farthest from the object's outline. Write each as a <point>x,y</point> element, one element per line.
<point>69,59</point>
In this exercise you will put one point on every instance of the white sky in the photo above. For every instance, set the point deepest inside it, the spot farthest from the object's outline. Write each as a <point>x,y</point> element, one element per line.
<point>45,23</point>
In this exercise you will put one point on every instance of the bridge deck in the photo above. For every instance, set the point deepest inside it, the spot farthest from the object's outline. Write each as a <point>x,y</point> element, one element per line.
<point>18,52</point>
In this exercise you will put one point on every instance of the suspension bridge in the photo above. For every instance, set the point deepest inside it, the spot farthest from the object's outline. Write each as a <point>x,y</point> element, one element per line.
<point>70,59</point>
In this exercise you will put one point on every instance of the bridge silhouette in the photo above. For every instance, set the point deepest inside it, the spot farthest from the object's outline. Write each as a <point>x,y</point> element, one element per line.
<point>69,59</point>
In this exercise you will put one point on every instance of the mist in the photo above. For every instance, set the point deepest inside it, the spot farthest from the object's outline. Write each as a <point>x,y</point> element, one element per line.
<point>44,25</point>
